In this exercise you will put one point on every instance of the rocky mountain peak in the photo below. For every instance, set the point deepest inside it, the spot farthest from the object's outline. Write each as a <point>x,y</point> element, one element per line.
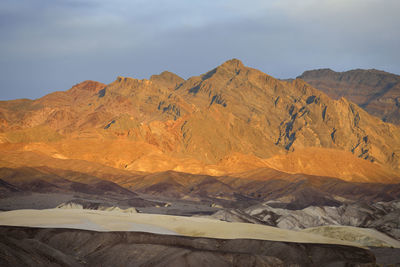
<point>226,70</point>
<point>167,79</point>
<point>232,66</point>
<point>317,73</point>
<point>89,85</point>
<point>234,62</point>
<point>127,86</point>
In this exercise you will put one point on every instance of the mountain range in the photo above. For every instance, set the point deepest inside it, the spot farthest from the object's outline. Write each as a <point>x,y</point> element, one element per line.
<point>229,120</point>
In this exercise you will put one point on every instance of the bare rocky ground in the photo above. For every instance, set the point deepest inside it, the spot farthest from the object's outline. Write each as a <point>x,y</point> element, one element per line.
<point>387,256</point>
<point>382,216</point>
<point>21,246</point>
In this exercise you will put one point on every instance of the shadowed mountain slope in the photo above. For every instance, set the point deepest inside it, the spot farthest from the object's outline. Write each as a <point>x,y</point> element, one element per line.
<point>47,180</point>
<point>376,91</point>
<point>33,172</point>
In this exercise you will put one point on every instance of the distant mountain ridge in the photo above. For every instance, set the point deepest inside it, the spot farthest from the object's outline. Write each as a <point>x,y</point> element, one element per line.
<point>378,92</point>
<point>230,119</point>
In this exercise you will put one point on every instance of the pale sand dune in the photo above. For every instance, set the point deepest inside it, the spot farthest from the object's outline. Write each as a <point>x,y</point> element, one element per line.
<point>154,223</point>
<point>364,236</point>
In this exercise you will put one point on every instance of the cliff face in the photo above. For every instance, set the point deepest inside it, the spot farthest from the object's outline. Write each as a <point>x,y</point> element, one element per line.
<point>378,92</point>
<point>205,124</point>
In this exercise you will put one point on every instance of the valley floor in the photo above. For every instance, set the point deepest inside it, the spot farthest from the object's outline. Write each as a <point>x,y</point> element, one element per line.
<point>33,229</point>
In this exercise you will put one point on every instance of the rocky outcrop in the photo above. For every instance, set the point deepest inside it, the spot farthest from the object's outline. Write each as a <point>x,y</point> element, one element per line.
<point>382,216</point>
<point>84,204</point>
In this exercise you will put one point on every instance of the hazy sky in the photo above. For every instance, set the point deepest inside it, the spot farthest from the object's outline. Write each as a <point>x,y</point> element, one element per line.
<point>49,45</point>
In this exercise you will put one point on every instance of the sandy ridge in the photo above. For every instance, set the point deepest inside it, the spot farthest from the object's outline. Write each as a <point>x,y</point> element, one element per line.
<point>154,223</point>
